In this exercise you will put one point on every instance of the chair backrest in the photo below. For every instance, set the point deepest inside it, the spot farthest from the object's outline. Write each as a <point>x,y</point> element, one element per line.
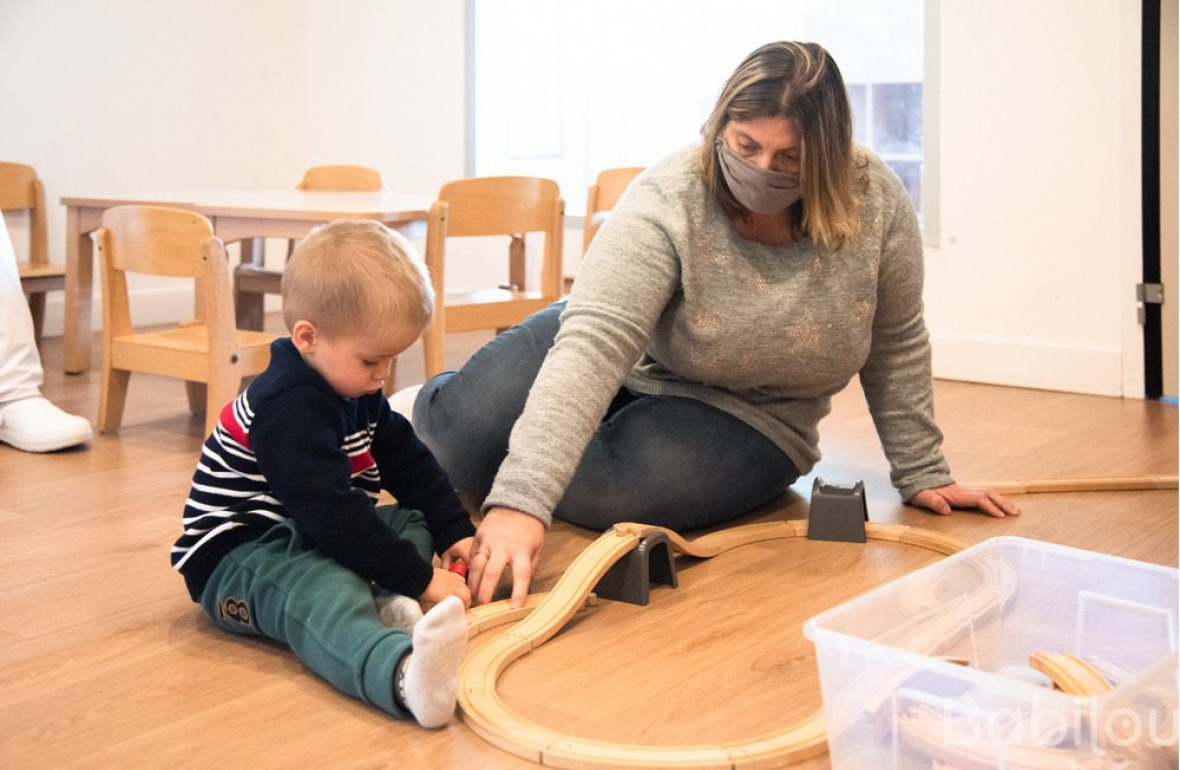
<point>157,240</point>
<point>499,205</point>
<point>21,190</point>
<point>604,194</point>
<point>342,179</point>
<point>503,205</point>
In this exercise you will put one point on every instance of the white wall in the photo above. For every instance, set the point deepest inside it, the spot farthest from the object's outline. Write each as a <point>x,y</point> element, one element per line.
<point>117,96</point>
<point>1031,280</point>
<point>384,85</point>
<point>130,95</point>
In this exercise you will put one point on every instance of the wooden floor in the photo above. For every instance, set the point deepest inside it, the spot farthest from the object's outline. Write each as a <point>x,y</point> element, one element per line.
<point>106,663</point>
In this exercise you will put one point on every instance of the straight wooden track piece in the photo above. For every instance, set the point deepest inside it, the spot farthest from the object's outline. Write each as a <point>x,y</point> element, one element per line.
<point>1112,484</point>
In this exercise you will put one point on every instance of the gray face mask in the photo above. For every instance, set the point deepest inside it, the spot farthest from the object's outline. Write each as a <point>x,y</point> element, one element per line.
<point>759,190</point>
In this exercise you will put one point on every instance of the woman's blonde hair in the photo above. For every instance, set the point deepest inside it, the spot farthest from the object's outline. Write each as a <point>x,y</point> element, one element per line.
<point>354,277</point>
<point>801,82</point>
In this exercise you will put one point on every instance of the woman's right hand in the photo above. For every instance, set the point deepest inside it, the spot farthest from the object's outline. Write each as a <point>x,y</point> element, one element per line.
<point>505,538</point>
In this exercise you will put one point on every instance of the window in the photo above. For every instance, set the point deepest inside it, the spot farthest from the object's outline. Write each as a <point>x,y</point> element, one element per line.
<point>564,90</point>
<point>888,118</point>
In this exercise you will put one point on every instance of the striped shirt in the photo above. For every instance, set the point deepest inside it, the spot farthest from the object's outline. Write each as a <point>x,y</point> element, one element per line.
<point>289,448</point>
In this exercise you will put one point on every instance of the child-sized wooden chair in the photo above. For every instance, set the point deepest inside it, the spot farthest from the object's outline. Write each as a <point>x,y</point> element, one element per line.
<point>510,206</point>
<point>253,277</point>
<point>342,179</point>
<point>608,187</point>
<point>156,240</point>
<point>603,195</point>
<point>21,190</point>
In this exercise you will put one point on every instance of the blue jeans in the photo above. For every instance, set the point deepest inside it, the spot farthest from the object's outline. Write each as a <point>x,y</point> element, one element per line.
<point>674,462</point>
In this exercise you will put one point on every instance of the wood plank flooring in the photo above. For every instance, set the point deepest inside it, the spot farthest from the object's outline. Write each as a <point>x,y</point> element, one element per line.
<point>106,663</point>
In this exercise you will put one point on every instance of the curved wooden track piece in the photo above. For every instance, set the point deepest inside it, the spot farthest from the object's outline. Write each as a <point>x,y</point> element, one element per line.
<point>544,615</point>
<point>1069,673</point>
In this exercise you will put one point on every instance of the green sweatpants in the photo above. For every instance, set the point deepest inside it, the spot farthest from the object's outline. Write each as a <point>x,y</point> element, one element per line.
<point>281,587</point>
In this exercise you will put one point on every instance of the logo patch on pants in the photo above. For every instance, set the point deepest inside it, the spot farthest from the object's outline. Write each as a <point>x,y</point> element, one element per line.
<point>235,610</point>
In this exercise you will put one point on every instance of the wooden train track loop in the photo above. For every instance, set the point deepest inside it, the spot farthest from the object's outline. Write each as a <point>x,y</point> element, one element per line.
<point>544,615</point>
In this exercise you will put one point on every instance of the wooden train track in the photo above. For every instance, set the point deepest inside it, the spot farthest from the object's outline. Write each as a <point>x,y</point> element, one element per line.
<point>544,615</point>
<point>1069,673</point>
<point>1106,484</point>
<point>961,744</point>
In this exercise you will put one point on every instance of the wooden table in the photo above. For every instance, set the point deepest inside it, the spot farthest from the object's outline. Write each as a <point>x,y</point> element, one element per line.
<point>236,216</point>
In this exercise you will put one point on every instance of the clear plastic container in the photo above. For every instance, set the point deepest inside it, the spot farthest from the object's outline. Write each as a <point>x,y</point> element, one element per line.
<point>933,670</point>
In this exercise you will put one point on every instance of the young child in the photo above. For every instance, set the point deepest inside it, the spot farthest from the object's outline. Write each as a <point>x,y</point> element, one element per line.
<point>282,534</point>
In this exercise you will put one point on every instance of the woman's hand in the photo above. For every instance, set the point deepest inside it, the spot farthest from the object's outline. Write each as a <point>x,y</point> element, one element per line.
<point>942,500</point>
<point>505,538</point>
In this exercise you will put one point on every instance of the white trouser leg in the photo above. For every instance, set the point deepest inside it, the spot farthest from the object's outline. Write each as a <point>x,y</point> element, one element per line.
<point>27,421</point>
<point>20,365</point>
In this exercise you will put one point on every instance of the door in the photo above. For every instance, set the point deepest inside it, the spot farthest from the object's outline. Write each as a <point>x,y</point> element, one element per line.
<point>1159,287</point>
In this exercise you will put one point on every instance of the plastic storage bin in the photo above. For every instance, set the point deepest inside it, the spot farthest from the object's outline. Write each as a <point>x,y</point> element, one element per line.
<point>932,670</point>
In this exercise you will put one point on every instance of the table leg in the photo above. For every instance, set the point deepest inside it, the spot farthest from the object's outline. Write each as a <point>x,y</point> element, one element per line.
<point>79,294</point>
<point>250,306</point>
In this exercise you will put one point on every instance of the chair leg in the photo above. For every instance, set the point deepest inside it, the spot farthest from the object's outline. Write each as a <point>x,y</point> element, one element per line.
<point>197,396</point>
<point>222,390</point>
<point>111,399</point>
<point>37,310</point>
<point>432,345</point>
<point>390,385</point>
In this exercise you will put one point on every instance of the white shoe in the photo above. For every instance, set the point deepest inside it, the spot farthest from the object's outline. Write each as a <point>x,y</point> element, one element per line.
<point>36,425</point>
<point>402,402</point>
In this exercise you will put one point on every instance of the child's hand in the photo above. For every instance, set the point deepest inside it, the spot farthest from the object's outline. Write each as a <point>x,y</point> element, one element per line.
<point>460,549</point>
<point>444,584</point>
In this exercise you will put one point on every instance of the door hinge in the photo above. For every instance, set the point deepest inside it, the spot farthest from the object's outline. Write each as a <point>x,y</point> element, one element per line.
<point>1148,294</point>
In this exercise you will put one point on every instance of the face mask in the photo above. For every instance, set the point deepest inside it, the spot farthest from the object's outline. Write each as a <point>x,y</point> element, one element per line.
<point>758,189</point>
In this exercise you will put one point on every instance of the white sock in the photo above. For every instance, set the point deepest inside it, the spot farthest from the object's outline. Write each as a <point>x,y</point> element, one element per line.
<point>432,672</point>
<point>397,610</point>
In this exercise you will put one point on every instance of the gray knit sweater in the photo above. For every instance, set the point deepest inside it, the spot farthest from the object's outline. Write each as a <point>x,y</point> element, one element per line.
<point>670,300</point>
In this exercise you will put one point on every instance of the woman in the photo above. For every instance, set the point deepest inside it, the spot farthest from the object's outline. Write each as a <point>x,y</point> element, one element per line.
<point>736,287</point>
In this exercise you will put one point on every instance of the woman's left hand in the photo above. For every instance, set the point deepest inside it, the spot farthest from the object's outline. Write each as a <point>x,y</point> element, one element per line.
<point>942,500</point>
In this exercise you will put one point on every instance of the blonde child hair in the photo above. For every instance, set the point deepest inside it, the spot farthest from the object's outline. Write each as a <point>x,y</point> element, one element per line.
<point>354,276</point>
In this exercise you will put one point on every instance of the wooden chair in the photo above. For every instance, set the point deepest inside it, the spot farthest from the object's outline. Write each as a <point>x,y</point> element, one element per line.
<point>342,179</point>
<point>21,190</point>
<point>252,277</point>
<point>492,206</point>
<point>604,194</point>
<point>155,240</point>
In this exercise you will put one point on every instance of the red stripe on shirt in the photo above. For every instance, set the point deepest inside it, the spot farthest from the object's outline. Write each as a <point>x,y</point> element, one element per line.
<point>229,423</point>
<point>361,462</point>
